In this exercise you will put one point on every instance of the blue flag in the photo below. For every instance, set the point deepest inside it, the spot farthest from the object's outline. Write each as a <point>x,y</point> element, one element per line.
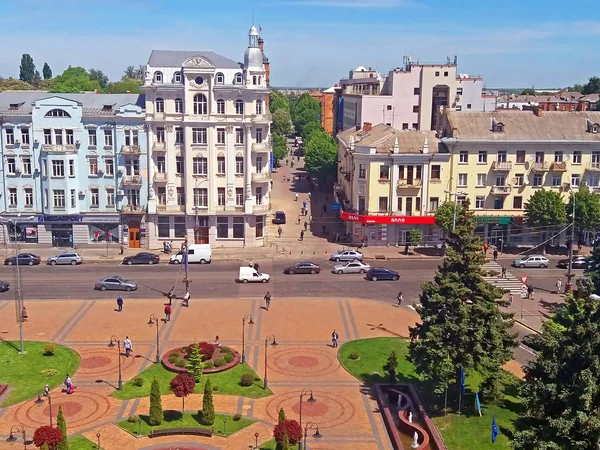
<point>185,259</point>
<point>494,430</point>
<point>477,403</point>
<point>462,380</point>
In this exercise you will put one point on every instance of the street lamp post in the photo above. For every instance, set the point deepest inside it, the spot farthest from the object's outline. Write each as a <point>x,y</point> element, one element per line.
<point>154,320</point>
<point>250,322</point>
<point>570,274</point>
<point>310,399</point>
<point>311,426</point>
<point>114,339</point>
<point>256,440</point>
<point>456,195</point>
<point>50,406</point>
<point>269,340</point>
<point>17,429</point>
<point>98,437</point>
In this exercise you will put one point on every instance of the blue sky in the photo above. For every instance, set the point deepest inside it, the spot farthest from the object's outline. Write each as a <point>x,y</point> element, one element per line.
<point>315,42</point>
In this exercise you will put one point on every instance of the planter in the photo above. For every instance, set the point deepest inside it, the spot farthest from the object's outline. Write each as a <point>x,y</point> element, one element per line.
<point>217,354</point>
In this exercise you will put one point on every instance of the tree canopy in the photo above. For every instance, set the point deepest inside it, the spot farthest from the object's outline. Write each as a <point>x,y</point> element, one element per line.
<point>279,147</point>
<point>444,216</point>
<point>278,101</point>
<point>309,129</point>
<point>305,110</point>
<point>592,86</point>
<point>135,73</point>
<point>99,76</point>
<point>75,80</point>
<point>46,71</point>
<point>282,122</point>
<point>124,87</point>
<point>320,155</point>
<point>587,209</point>
<point>27,68</point>
<point>10,84</point>
<point>182,385</point>
<point>545,209</point>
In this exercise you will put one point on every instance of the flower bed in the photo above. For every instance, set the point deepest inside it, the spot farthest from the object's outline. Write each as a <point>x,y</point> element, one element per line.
<point>215,358</point>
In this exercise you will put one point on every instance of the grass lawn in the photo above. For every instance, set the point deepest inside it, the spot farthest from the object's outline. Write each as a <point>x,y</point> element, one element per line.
<point>465,431</point>
<point>269,445</point>
<point>22,372</point>
<point>228,383</point>
<point>172,419</point>
<point>81,443</point>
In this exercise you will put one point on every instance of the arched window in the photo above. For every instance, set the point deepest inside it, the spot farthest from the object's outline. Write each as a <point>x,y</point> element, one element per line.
<point>259,106</point>
<point>177,77</point>
<point>160,105</point>
<point>220,106</point>
<point>259,80</point>
<point>179,105</point>
<point>220,78</point>
<point>200,104</point>
<point>499,128</point>
<point>238,79</point>
<point>239,107</point>
<point>158,77</point>
<point>254,79</point>
<point>57,113</point>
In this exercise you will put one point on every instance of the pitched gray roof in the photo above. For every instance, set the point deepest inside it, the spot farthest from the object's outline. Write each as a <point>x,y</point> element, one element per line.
<point>176,58</point>
<point>383,138</point>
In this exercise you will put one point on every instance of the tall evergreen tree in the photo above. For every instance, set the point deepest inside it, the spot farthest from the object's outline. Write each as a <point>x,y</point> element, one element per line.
<point>47,71</point>
<point>195,365</point>
<point>61,424</point>
<point>592,272</point>
<point>37,78</point>
<point>156,411</point>
<point>27,68</point>
<point>208,407</point>
<point>281,417</point>
<point>461,324</point>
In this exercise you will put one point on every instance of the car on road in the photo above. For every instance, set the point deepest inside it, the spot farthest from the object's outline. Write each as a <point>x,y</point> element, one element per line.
<point>380,273</point>
<point>251,275</point>
<point>579,262</point>
<point>142,258</point>
<point>72,258</point>
<point>279,218</point>
<point>115,283</point>
<point>531,261</point>
<point>4,286</point>
<point>25,259</point>
<point>351,267</point>
<point>303,267</point>
<point>346,255</point>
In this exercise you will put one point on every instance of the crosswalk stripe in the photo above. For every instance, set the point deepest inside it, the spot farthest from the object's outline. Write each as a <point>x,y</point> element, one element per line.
<point>510,283</point>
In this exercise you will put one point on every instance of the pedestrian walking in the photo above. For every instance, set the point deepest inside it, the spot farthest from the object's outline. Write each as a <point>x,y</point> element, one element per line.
<point>399,297</point>
<point>305,225</point>
<point>24,315</point>
<point>302,235</point>
<point>495,254</point>
<point>46,391</point>
<point>309,195</point>
<point>334,339</point>
<point>171,295</point>
<point>558,285</point>
<point>268,300</point>
<point>68,382</point>
<point>503,272</point>
<point>296,196</point>
<point>287,163</point>
<point>127,346</point>
<point>530,292</point>
<point>324,209</point>
<point>186,299</point>
<point>168,311</point>
<point>304,205</point>
<point>119,303</point>
<point>510,298</point>
<point>121,250</point>
<point>279,231</point>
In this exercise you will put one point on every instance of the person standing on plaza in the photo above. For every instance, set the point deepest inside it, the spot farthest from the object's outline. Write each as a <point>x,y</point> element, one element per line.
<point>119,303</point>
<point>334,339</point>
<point>302,235</point>
<point>305,225</point>
<point>127,346</point>
<point>186,299</point>
<point>495,254</point>
<point>168,311</point>
<point>171,295</point>
<point>279,231</point>
<point>296,196</point>
<point>267,300</point>
<point>400,298</point>
<point>558,285</point>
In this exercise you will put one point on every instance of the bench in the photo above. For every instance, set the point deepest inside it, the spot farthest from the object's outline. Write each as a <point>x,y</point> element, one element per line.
<point>208,432</point>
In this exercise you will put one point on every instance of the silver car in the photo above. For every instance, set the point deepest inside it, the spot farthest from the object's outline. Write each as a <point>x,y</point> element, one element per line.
<point>351,267</point>
<point>346,255</point>
<point>532,261</point>
<point>72,258</point>
<point>115,284</point>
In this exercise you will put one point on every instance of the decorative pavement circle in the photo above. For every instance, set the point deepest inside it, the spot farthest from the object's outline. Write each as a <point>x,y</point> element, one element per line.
<point>303,362</point>
<point>329,410</point>
<point>99,362</point>
<point>82,408</point>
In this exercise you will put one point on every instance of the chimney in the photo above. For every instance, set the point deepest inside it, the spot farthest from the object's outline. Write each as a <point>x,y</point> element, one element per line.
<point>367,127</point>
<point>261,44</point>
<point>537,111</point>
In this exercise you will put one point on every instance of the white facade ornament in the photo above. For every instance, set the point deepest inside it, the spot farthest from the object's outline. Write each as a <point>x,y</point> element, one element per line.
<point>425,146</point>
<point>198,62</point>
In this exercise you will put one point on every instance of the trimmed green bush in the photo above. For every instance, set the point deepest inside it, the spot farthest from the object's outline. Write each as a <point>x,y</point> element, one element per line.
<point>208,408</point>
<point>138,381</point>
<point>181,363</point>
<point>237,417</point>
<point>219,362</point>
<point>133,419</point>
<point>228,357</point>
<point>48,372</point>
<point>156,411</point>
<point>246,379</point>
<point>215,388</point>
<point>209,365</point>
<point>173,358</point>
<point>49,349</point>
<point>354,356</point>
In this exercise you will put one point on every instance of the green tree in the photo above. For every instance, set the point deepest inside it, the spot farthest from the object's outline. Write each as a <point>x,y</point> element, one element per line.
<point>305,110</point>
<point>128,86</point>
<point>413,238</point>
<point>134,73</point>
<point>74,80</point>
<point>156,412</point>
<point>37,79</point>
<point>444,216</point>
<point>280,149</point>
<point>281,417</point>
<point>278,101</point>
<point>208,407</point>
<point>392,361</point>
<point>27,68</point>
<point>592,272</point>
<point>47,71</point>
<point>587,210</point>
<point>320,155</point>
<point>461,325</point>
<point>545,209</point>
<point>282,122</point>
<point>46,85</point>
<point>286,443</point>
<point>195,365</point>
<point>44,446</point>
<point>592,86</point>
<point>99,76</point>
<point>12,84</point>
<point>528,91</point>
<point>309,129</point>
<point>61,424</point>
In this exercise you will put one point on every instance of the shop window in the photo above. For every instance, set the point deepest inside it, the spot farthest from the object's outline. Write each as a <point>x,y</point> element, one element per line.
<point>222,227</point>
<point>179,227</point>
<point>103,232</point>
<point>260,226</point>
<point>22,232</point>
<point>164,228</point>
<point>238,227</point>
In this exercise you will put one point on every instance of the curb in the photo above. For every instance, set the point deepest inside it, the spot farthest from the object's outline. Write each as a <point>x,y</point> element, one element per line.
<point>524,325</point>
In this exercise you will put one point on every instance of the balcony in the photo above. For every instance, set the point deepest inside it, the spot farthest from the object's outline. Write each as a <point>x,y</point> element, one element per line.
<point>160,177</point>
<point>54,148</point>
<point>261,147</point>
<point>261,208</point>
<point>131,150</point>
<point>500,190</point>
<point>132,180</point>
<point>540,167</point>
<point>160,146</point>
<point>410,184</point>
<point>558,166</point>
<point>132,209</point>
<point>593,166</point>
<point>502,166</point>
<point>261,176</point>
<point>262,118</point>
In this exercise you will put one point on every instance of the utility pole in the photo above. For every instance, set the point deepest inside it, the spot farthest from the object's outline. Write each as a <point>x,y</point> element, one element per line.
<point>184,249</point>
<point>19,292</point>
<point>570,274</point>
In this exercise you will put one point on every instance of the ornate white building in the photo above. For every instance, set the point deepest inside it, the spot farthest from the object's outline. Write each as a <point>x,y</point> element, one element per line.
<point>210,147</point>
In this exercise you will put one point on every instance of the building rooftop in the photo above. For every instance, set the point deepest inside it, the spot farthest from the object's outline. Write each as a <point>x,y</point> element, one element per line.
<point>384,138</point>
<point>176,58</point>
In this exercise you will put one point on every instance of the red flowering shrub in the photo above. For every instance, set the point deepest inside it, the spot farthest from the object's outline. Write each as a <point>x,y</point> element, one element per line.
<point>207,350</point>
<point>292,428</point>
<point>47,435</point>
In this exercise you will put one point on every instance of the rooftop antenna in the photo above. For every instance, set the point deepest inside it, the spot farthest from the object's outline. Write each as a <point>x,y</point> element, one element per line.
<point>252,16</point>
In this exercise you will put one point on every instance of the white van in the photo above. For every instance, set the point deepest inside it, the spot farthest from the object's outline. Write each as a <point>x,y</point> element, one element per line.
<point>250,275</point>
<point>197,253</point>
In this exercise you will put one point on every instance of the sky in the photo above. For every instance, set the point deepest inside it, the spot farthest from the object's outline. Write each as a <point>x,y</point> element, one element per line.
<point>314,43</point>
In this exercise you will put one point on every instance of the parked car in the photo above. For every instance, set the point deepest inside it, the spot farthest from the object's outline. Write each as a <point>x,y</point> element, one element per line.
<point>4,286</point>
<point>279,218</point>
<point>351,267</point>
<point>379,273</point>
<point>579,262</point>
<point>531,261</point>
<point>303,267</point>
<point>25,259</point>
<point>115,283</point>
<point>72,258</point>
<point>346,255</point>
<point>142,258</point>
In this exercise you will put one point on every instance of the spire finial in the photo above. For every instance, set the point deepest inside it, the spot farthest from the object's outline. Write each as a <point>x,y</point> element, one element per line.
<point>252,16</point>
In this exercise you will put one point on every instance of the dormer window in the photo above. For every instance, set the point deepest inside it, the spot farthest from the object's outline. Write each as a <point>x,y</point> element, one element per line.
<point>177,77</point>
<point>13,106</point>
<point>498,127</point>
<point>158,77</point>
<point>220,78</point>
<point>595,128</point>
<point>107,108</point>
<point>238,79</point>
<point>57,113</point>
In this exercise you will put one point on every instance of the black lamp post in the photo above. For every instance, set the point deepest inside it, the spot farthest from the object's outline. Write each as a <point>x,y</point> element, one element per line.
<point>310,399</point>
<point>311,426</point>
<point>247,317</point>
<point>154,320</point>
<point>114,339</point>
<point>50,406</point>
<point>256,440</point>
<point>269,340</point>
<point>98,437</point>
<point>17,429</point>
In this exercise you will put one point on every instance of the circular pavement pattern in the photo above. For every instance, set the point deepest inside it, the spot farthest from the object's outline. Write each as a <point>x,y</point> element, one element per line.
<point>329,410</point>
<point>100,362</point>
<point>81,409</point>
<point>303,362</point>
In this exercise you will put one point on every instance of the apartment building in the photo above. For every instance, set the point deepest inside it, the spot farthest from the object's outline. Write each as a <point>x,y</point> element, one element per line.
<point>74,168</point>
<point>389,182</point>
<point>209,134</point>
<point>559,101</point>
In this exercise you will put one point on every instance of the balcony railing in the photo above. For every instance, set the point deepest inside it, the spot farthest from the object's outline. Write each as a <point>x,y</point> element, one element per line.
<point>415,183</point>
<point>261,208</point>
<point>58,148</point>
<point>593,166</point>
<point>132,180</point>
<point>559,166</point>
<point>500,190</point>
<point>261,147</point>
<point>131,150</point>
<point>132,209</point>
<point>261,176</point>
<point>160,177</point>
<point>159,146</point>
<point>540,167</point>
<point>262,118</point>
<point>502,166</point>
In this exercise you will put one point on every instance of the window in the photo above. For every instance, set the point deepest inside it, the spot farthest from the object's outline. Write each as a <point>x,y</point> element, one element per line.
<point>260,226</point>
<point>73,199</point>
<point>259,107</point>
<point>25,136</point>
<point>575,180</point>
<point>57,113</point>
<point>239,107</point>
<point>160,134</point>
<point>220,135</point>
<point>481,179</point>
<point>239,135</point>
<point>160,105</point>
<point>58,139</point>
<point>131,137</point>
<point>132,167</point>
<point>47,137</point>
<point>179,106</point>
<point>479,202</point>
<point>362,171</point>
<point>434,203</point>
<point>222,227</point>
<point>108,138</point>
<point>445,74</point>
<point>259,135</point>
<point>180,196</point>
<point>239,165</point>
<point>399,204</point>
<point>28,197</point>
<point>437,73</point>
<point>405,126</point>
<point>384,172</point>
<point>468,106</point>
<point>462,180</point>
<point>58,168</point>
<point>238,79</point>
<point>501,156</point>
<point>221,196</point>
<point>458,108</point>
<point>58,197</point>
<point>158,77</point>
<point>161,195</point>
<point>201,197</point>
<point>239,196</point>
<point>179,165</point>
<point>10,136</point>
<point>556,180</point>
<point>12,197</point>
<point>93,164</point>
<point>499,128</point>
<point>11,165</point>
<point>110,198</point>
<point>499,203</point>
<point>94,198</point>
<point>593,180</point>
<point>254,79</point>
<point>46,198</point>
<point>220,165</point>
<point>538,179</point>
<point>177,77</point>
<point>45,167</point>
<point>482,157</point>
<point>416,91</point>
<point>517,202</point>
<point>199,136</point>
<point>415,126</point>
<point>200,166</point>
<point>436,172</point>
<point>220,78</point>
<point>220,106</point>
<point>238,227</point>
<point>576,157</point>
<point>463,157</point>
<point>26,163</point>
<point>200,104</point>
<point>179,227</point>
<point>383,204</point>
<point>558,156</point>
<point>259,196</point>
<point>161,164</point>
<point>520,156</point>
<point>459,91</point>
<point>388,107</point>
<point>518,180</point>
<point>500,181</point>
<point>69,134</point>
<point>164,227</point>
<point>179,135</point>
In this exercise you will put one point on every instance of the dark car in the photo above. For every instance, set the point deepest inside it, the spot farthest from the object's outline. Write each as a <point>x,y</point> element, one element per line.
<point>303,267</point>
<point>379,273</point>
<point>4,286</point>
<point>115,283</point>
<point>142,258</point>
<point>25,259</point>
<point>579,262</point>
<point>279,218</point>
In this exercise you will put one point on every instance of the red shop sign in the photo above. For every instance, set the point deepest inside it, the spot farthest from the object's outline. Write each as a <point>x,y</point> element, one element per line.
<point>392,220</point>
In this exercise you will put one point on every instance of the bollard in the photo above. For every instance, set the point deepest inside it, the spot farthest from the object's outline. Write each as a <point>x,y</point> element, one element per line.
<point>314,252</point>
<point>302,252</point>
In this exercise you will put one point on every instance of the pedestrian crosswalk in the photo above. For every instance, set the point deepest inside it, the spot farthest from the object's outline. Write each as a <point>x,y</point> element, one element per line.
<point>510,283</point>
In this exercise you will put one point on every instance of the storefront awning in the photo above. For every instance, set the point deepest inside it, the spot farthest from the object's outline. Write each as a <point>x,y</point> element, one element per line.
<point>394,220</point>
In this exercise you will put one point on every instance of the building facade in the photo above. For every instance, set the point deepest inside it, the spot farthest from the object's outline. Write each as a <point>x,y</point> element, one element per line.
<point>74,168</point>
<point>326,99</point>
<point>209,135</point>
